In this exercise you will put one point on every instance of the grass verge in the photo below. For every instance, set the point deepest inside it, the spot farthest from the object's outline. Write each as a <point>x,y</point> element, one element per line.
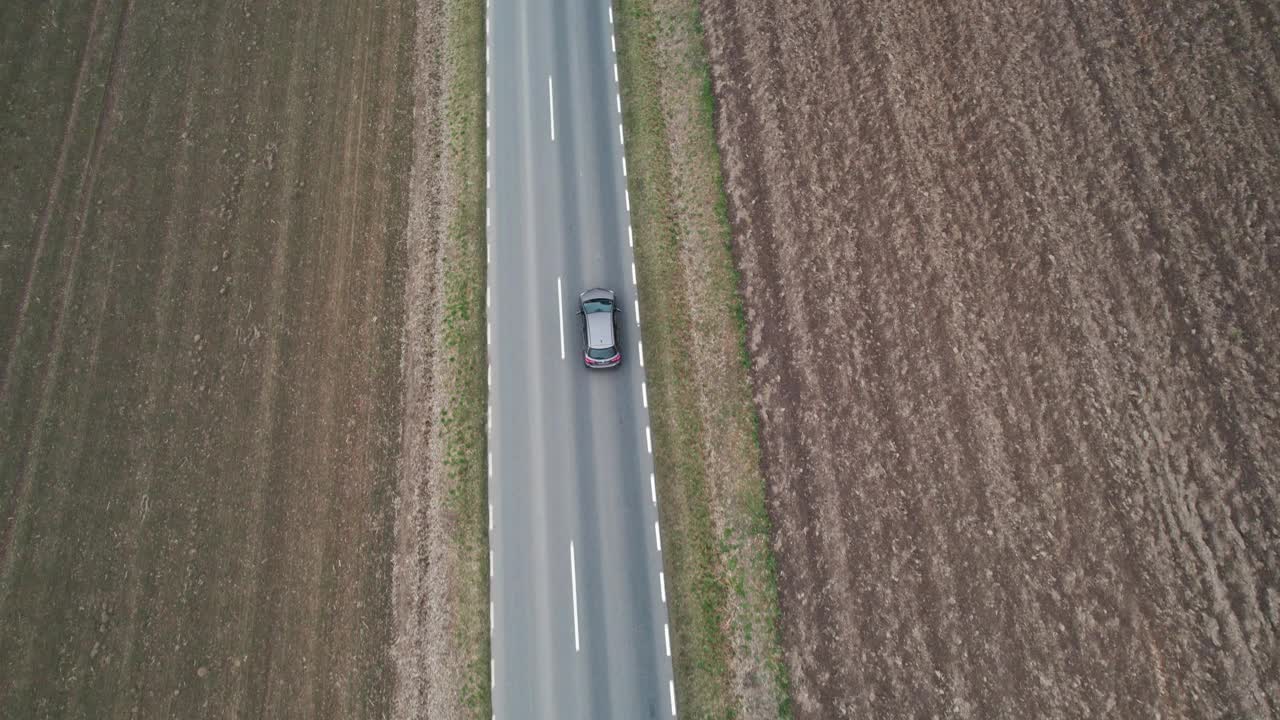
<point>462,420</point>
<point>722,577</point>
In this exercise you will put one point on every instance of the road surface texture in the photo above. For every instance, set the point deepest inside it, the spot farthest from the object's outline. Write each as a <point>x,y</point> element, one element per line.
<point>201,288</point>
<point>1011,279</point>
<point>579,624</point>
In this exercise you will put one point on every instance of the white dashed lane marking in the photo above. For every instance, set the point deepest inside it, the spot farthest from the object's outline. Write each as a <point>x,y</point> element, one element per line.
<point>573,574</point>
<point>551,100</point>
<point>560,306</point>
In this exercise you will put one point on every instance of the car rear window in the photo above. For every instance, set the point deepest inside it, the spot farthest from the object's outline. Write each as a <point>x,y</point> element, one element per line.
<point>601,353</point>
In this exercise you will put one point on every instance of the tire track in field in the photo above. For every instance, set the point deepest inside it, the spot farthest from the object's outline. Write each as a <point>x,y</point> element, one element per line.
<point>30,447</point>
<point>159,389</point>
<point>87,54</point>
<point>335,399</point>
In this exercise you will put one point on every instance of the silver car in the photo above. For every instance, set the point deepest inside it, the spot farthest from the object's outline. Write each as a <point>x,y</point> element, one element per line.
<point>598,309</point>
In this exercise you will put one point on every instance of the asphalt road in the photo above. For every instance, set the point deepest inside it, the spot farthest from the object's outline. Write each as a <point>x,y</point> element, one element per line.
<point>579,614</point>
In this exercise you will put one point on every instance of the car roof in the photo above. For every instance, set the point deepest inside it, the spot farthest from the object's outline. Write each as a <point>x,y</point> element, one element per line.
<point>600,330</point>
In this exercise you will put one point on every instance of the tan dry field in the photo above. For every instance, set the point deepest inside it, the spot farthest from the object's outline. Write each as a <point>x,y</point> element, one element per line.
<point>201,296</point>
<point>1012,276</point>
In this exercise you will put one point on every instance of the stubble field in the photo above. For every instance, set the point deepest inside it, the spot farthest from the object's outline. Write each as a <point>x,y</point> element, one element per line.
<point>1012,291</point>
<point>201,288</point>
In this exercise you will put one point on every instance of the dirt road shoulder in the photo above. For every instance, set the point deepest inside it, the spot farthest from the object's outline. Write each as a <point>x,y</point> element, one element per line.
<point>441,651</point>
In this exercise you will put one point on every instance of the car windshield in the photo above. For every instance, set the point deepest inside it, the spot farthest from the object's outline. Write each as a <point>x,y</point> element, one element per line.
<point>594,306</point>
<point>601,353</point>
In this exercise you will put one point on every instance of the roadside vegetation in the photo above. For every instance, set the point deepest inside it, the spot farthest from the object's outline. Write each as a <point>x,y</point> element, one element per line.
<point>441,650</point>
<point>722,588</point>
<point>463,373</point>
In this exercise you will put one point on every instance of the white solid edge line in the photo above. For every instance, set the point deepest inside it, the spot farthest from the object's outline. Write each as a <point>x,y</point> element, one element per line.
<point>640,351</point>
<point>657,536</point>
<point>672,684</point>
<point>648,442</point>
<point>644,394</point>
<point>551,100</point>
<point>653,489</point>
<point>666,634</point>
<point>573,574</point>
<point>560,305</point>
<point>662,584</point>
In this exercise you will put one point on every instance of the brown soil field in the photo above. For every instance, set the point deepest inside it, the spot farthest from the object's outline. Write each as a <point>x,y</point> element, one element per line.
<point>202,282</point>
<point>1012,283</point>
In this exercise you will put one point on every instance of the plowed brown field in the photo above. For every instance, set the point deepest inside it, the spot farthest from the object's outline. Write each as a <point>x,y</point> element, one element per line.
<point>1012,275</point>
<point>202,258</point>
